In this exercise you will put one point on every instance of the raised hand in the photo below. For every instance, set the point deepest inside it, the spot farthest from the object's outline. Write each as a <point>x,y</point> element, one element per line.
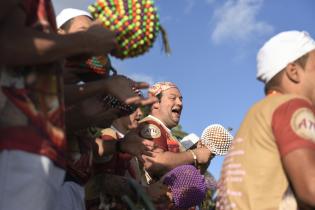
<point>136,145</point>
<point>203,155</point>
<point>99,40</point>
<point>125,90</point>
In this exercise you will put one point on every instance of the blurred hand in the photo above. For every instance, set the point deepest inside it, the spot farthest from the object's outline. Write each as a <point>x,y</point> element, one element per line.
<point>124,89</point>
<point>203,155</point>
<point>157,191</point>
<point>155,161</point>
<point>82,167</point>
<point>136,145</point>
<point>99,40</point>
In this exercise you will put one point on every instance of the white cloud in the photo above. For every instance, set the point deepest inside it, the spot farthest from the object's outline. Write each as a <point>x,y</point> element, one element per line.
<point>237,20</point>
<point>189,6</point>
<point>141,78</point>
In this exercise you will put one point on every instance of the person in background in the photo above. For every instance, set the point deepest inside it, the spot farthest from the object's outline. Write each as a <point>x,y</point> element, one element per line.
<point>271,164</point>
<point>107,184</point>
<point>84,72</point>
<point>164,115</point>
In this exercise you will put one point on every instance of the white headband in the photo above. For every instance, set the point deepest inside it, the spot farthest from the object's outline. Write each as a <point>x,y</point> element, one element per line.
<point>68,14</point>
<point>281,50</point>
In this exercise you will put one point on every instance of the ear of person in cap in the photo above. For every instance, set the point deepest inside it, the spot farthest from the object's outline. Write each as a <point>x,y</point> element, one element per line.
<point>281,50</point>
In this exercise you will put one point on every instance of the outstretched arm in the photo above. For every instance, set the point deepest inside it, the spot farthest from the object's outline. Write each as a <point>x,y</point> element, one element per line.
<point>119,86</point>
<point>300,168</point>
<point>132,144</point>
<point>22,45</point>
<point>161,162</point>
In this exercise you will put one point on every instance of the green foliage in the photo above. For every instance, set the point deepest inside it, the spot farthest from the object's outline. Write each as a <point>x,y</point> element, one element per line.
<point>178,132</point>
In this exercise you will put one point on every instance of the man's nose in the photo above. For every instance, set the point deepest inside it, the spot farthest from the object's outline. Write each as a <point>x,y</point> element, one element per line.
<point>179,102</point>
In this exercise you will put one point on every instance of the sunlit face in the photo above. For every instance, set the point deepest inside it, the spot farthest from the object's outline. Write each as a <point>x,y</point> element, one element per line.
<point>80,23</point>
<point>308,81</point>
<point>169,109</point>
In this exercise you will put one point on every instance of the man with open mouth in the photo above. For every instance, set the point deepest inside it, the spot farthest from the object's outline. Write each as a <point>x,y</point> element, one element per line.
<point>165,115</point>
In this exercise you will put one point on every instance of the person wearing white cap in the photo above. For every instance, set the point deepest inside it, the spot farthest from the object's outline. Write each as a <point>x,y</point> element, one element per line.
<point>272,161</point>
<point>67,15</point>
<point>91,72</point>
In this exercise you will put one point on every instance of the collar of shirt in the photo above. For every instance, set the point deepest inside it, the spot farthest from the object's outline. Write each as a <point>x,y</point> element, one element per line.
<point>160,122</point>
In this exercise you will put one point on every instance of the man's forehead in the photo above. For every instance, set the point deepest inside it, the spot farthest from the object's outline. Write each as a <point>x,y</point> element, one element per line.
<point>172,91</point>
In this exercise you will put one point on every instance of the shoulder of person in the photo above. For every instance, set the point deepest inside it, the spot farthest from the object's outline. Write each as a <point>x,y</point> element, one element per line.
<point>271,103</point>
<point>290,98</point>
<point>109,133</point>
<point>150,129</point>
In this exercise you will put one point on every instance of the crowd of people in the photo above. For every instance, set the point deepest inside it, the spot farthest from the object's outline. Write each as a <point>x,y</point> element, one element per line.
<point>73,134</point>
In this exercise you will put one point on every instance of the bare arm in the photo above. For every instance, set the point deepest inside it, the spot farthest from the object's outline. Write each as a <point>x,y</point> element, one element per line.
<point>300,168</point>
<point>119,86</point>
<point>162,162</point>
<point>23,45</point>
<point>132,143</point>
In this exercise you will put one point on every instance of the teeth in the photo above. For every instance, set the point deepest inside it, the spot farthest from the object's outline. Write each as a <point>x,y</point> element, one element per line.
<point>176,110</point>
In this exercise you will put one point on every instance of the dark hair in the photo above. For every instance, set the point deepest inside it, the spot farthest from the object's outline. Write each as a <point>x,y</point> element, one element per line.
<point>275,81</point>
<point>159,96</point>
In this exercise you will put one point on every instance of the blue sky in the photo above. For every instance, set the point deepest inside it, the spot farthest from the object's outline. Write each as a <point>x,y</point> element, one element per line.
<point>214,45</point>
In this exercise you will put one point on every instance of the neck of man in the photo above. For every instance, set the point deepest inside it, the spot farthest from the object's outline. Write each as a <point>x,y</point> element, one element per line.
<point>162,121</point>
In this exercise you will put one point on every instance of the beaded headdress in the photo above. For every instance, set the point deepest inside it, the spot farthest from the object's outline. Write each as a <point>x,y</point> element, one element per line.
<point>135,22</point>
<point>187,186</point>
<point>159,87</point>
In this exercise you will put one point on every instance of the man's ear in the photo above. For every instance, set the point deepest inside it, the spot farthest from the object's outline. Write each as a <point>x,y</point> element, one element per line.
<point>294,72</point>
<point>156,105</point>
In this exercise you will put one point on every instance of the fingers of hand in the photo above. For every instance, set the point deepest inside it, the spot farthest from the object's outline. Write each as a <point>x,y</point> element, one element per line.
<point>149,145</point>
<point>148,101</point>
<point>136,100</point>
<point>141,85</point>
<point>147,153</point>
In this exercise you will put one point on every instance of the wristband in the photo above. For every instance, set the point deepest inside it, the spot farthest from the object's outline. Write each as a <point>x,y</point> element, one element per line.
<point>195,157</point>
<point>113,102</point>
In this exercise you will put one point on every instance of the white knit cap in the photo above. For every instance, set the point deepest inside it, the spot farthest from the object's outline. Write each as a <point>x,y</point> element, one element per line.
<point>280,50</point>
<point>68,14</point>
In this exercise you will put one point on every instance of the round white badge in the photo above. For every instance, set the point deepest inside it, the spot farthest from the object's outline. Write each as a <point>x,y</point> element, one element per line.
<point>303,123</point>
<point>150,131</point>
